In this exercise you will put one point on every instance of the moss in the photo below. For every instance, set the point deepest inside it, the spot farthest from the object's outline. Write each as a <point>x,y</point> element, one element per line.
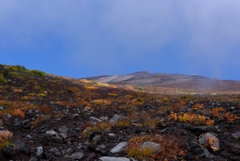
<point>2,145</point>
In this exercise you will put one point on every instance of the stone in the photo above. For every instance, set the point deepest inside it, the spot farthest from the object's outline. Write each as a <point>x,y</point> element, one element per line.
<point>67,151</point>
<point>111,136</point>
<point>94,120</point>
<point>39,151</point>
<point>21,146</point>
<point>101,148</point>
<point>236,135</point>
<point>33,159</point>
<point>162,124</point>
<point>210,141</point>
<point>115,118</point>
<point>151,145</point>
<point>51,132</point>
<point>114,159</point>
<point>78,129</point>
<point>96,138</point>
<point>75,115</point>
<point>104,118</point>
<point>197,149</point>
<point>119,147</point>
<point>1,108</point>
<point>7,116</point>
<point>63,129</point>
<point>56,139</point>
<point>63,135</point>
<point>75,156</point>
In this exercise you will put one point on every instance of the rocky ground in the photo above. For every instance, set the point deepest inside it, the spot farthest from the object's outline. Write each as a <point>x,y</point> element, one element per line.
<point>55,118</point>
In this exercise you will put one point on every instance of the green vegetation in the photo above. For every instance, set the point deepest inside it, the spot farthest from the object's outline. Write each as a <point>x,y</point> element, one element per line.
<point>21,70</point>
<point>105,126</point>
<point>3,80</point>
<point>139,99</point>
<point>139,88</point>
<point>37,72</point>
<point>5,72</point>
<point>2,145</point>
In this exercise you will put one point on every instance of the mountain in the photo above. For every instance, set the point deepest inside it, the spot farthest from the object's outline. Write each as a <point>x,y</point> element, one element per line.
<point>179,81</point>
<point>53,118</point>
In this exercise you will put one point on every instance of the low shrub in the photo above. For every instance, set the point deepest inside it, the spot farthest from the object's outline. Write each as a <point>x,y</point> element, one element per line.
<point>139,99</point>
<point>3,80</point>
<point>122,123</point>
<point>5,72</point>
<point>38,72</point>
<point>103,126</point>
<point>172,147</point>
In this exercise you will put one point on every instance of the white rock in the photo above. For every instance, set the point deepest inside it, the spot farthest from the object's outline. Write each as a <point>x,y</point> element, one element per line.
<point>115,118</point>
<point>63,129</point>
<point>114,159</point>
<point>151,145</point>
<point>104,118</point>
<point>51,132</point>
<point>76,156</point>
<point>118,148</point>
<point>39,151</point>
<point>94,120</point>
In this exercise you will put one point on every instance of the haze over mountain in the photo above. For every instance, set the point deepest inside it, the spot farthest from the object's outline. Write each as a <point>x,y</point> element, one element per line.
<point>169,80</point>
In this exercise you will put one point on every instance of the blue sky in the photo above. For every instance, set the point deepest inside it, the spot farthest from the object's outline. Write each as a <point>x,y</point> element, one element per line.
<point>80,38</point>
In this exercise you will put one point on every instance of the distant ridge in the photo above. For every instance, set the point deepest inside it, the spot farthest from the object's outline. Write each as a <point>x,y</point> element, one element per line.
<point>180,81</point>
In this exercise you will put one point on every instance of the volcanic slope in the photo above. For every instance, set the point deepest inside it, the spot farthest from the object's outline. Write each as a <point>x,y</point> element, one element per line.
<point>47,117</point>
<point>177,82</point>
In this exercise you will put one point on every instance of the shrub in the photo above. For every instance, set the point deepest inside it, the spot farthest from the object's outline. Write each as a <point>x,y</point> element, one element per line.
<point>139,88</point>
<point>139,99</point>
<point>45,109</point>
<point>3,80</point>
<point>5,72</point>
<point>165,99</point>
<point>230,117</point>
<point>171,147</point>
<point>216,110</point>
<point>151,123</point>
<point>5,136</point>
<point>197,106</point>
<point>103,126</point>
<point>6,143</point>
<point>122,123</point>
<point>18,112</point>
<point>38,72</point>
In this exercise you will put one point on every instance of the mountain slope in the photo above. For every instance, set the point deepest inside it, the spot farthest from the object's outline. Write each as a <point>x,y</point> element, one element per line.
<point>185,82</point>
<point>49,118</point>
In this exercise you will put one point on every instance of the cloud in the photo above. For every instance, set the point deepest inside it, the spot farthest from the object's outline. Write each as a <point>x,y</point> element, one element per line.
<point>104,34</point>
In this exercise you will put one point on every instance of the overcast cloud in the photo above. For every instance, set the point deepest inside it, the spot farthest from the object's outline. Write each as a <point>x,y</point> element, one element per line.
<point>121,36</point>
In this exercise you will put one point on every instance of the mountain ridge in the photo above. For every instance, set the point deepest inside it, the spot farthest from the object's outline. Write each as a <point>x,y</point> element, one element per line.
<point>181,81</point>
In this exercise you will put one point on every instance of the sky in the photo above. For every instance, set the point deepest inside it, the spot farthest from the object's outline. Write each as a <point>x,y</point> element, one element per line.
<point>81,38</point>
